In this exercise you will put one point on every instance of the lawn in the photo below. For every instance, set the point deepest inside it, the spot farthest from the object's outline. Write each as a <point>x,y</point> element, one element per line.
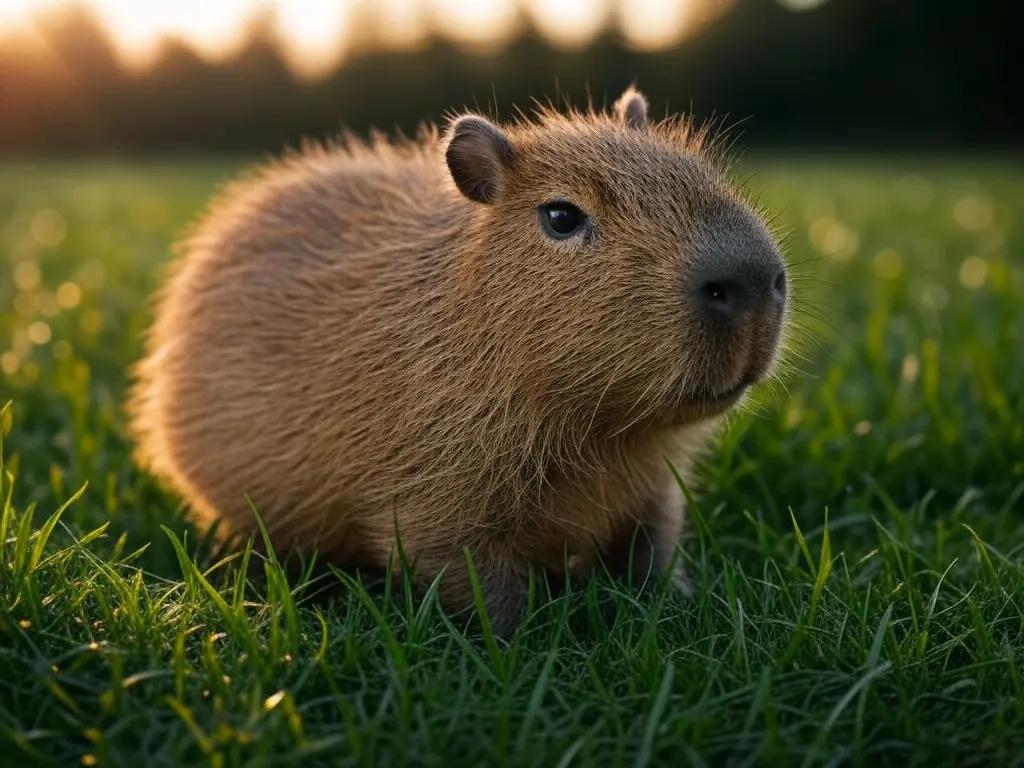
<point>857,544</point>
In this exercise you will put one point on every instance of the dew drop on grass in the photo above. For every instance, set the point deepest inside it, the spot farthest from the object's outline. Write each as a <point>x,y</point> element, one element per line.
<point>273,700</point>
<point>25,304</point>
<point>39,333</point>
<point>9,363</point>
<point>27,275</point>
<point>888,264</point>
<point>972,213</point>
<point>48,227</point>
<point>794,415</point>
<point>68,295</point>
<point>48,304</point>
<point>973,272</point>
<point>934,297</point>
<point>910,369</point>
<point>832,238</point>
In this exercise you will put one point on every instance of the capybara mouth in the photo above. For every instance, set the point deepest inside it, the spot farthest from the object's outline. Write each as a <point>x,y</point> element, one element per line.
<point>711,402</point>
<point>721,399</point>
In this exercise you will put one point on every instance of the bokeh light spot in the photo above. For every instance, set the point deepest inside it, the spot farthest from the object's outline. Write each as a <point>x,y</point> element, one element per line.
<point>910,369</point>
<point>68,295</point>
<point>39,333</point>
<point>9,363</point>
<point>973,272</point>
<point>27,275</point>
<point>48,227</point>
<point>25,304</point>
<point>48,305</point>
<point>832,238</point>
<point>569,23</point>
<point>888,264</point>
<point>477,23</point>
<point>973,214</point>
<point>655,24</point>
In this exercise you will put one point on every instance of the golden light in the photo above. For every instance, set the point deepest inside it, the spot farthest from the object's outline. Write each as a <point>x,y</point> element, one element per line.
<point>478,22</point>
<point>400,23</point>
<point>16,12</point>
<point>569,23</point>
<point>655,24</point>
<point>138,27</point>
<point>314,32</point>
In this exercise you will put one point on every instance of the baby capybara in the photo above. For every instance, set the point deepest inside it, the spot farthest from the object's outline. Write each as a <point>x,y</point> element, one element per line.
<point>496,339</point>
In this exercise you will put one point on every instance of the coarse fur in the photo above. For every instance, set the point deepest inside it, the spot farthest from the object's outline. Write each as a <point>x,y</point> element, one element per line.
<point>378,338</point>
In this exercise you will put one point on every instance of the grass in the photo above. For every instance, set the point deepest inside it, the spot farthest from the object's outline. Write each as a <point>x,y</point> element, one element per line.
<point>856,544</point>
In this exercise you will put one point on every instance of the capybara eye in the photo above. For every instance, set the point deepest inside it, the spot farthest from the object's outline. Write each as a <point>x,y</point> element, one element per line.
<point>561,220</point>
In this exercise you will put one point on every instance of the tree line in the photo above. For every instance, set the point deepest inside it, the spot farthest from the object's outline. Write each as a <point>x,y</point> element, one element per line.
<point>853,73</point>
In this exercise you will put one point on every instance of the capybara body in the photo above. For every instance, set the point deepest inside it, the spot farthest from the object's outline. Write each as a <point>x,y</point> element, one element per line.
<point>496,339</point>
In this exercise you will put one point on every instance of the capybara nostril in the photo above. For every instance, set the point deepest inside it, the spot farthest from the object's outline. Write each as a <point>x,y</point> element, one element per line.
<point>726,298</point>
<point>779,286</point>
<point>738,275</point>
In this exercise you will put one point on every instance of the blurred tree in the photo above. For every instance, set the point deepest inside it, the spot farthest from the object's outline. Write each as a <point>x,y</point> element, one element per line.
<point>850,73</point>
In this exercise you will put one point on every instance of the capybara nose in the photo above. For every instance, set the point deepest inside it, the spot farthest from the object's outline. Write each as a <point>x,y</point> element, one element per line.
<point>755,287</point>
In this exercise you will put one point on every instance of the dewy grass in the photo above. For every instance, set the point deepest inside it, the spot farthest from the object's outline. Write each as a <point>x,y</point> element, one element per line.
<point>855,547</point>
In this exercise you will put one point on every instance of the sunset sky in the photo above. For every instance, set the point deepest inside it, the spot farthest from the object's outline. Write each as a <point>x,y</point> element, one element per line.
<point>316,32</point>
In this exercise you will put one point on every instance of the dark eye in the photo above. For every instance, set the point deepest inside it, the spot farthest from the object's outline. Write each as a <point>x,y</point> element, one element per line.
<point>561,220</point>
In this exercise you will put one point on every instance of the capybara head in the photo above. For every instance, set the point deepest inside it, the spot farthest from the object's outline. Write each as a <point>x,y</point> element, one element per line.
<point>616,263</point>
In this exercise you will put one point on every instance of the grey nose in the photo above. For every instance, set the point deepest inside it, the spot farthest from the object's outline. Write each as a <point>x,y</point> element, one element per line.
<point>729,293</point>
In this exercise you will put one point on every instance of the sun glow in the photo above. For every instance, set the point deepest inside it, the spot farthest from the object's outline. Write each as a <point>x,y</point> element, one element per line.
<point>315,33</point>
<point>400,23</point>
<point>659,23</point>
<point>138,26</point>
<point>477,23</point>
<point>569,23</point>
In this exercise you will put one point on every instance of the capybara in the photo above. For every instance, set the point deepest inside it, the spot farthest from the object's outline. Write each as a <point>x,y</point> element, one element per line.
<point>497,339</point>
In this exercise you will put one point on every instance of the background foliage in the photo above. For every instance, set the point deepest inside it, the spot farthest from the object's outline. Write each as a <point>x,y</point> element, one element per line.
<point>913,73</point>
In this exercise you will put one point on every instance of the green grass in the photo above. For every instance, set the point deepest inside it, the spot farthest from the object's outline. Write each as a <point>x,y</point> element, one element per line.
<point>856,547</point>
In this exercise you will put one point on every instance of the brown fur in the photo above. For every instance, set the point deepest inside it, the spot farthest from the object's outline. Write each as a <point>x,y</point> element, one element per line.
<point>355,345</point>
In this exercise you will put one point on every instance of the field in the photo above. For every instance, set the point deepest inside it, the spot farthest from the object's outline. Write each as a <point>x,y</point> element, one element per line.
<point>857,544</point>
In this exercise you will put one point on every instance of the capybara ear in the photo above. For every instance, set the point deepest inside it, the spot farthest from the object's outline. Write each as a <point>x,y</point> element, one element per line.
<point>631,108</point>
<point>478,155</point>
